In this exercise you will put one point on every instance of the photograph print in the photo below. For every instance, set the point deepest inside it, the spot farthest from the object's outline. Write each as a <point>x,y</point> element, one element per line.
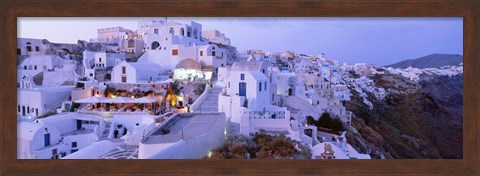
<point>240,88</point>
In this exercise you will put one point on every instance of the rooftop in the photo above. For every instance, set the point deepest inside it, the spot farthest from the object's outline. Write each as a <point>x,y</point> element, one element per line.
<point>185,126</point>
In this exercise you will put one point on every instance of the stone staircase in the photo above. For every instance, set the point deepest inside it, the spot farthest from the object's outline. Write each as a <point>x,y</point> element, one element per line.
<point>38,79</point>
<point>106,131</point>
<point>210,104</point>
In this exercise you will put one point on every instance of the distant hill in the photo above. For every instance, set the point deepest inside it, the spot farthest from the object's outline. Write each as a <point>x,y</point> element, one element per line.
<point>430,61</point>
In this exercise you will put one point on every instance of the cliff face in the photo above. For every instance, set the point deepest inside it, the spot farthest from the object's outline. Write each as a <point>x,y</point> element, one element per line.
<point>430,61</point>
<point>421,120</point>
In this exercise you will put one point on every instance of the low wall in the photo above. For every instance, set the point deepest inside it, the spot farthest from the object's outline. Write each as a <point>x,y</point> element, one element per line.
<point>200,99</point>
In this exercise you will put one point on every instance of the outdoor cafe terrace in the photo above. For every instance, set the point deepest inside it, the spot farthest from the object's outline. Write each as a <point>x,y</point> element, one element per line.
<point>120,104</point>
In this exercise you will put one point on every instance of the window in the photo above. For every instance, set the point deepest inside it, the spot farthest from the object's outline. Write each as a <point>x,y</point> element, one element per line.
<point>124,70</point>
<point>182,32</point>
<point>46,139</point>
<point>228,87</point>
<point>155,31</point>
<point>171,31</point>
<point>273,97</point>
<point>74,144</point>
<point>100,59</point>
<point>25,67</point>
<point>260,86</point>
<point>98,92</point>
<point>195,33</point>
<point>35,67</point>
<point>175,52</point>
<point>19,105</point>
<point>265,85</point>
<point>124,79</point>
<point>155,45</point>
<point>30,67</point>
<point>29,48</point>
<point>242,77</point>
<point>213,53</point>
<point>201,53</point>
<point>131,43</point>
<point>36,111</point>
<point>37,48</point>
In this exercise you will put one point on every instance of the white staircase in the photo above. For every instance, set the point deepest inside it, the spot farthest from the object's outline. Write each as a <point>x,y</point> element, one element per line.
<point>210,104</point>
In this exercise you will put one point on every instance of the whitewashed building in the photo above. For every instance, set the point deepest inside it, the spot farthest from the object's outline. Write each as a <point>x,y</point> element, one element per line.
<point>35,101</point>
<point>135,72</point>
<point>103,59</point>
<point>246,99</point>
<point>29,46</point>
<point>57,136</point>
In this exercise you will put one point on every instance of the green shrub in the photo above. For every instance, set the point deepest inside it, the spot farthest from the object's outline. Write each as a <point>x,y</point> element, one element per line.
<point>74,106</point>
<point>324,120</point>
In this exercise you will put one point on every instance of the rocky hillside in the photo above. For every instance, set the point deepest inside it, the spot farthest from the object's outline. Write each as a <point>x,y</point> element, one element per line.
<point>430,61</point>
<point>416,120</point>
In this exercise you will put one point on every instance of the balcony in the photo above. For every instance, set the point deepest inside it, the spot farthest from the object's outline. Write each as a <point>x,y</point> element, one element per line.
<point>266,115</point>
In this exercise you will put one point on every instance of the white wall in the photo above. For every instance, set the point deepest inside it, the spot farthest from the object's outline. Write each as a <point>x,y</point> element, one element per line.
<point>42,99</point>
<point>130,73</point>
<point>257,100</point>
<point>194,148</point>
<point>82,140</point>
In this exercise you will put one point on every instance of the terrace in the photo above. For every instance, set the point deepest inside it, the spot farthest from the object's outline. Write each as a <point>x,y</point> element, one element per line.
<point>120,105</point>
<point>183,127</point>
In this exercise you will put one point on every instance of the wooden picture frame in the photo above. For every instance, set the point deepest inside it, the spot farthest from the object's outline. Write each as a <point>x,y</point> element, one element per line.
<point>469,10</point>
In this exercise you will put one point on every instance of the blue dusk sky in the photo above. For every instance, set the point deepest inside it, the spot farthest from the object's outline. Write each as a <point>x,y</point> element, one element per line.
<point>378,41</point>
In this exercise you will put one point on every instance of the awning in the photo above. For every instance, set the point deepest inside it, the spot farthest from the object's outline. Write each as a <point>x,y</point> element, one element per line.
<point>117,100</point>
<point>91,100</point>
<point>144,100</point>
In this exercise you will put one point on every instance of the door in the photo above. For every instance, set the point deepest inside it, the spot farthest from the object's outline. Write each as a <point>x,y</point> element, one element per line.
<point>290,92</point>
<point>46,137</point>
<point>242,89</point>
<point>79,124</point>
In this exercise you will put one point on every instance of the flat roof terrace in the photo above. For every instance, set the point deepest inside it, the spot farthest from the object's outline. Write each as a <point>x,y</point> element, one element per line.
<point>185,126</point>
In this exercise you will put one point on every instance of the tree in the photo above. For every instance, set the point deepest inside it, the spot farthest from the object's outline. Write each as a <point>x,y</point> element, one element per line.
<point>336,125</point>
<point>74,106</point>
<point>311,120</point>
<point>324,120</point>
